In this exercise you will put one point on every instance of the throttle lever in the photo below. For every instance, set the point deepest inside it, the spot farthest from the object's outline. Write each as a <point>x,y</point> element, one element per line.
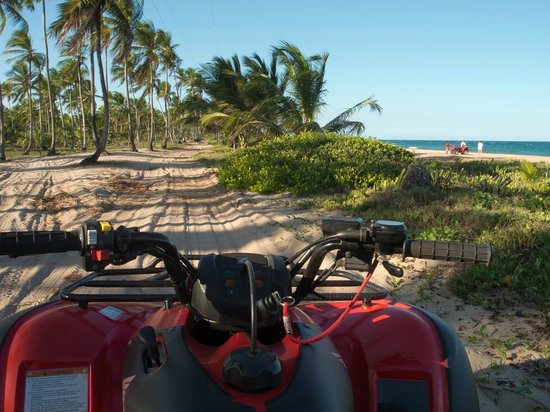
<point>392,269</point>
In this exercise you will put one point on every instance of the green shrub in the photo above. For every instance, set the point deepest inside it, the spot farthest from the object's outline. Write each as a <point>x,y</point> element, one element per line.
<point>506,204</point>
<point>313,163</point>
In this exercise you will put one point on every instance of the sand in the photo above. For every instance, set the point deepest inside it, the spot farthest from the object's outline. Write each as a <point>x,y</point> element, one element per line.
<point>441,155</point>
<point>167,192</point>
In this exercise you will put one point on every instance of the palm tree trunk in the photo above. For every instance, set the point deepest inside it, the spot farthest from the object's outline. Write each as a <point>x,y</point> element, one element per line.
<point>71,114</point>
<point>28,149</point>
<point>102,143</point>
<point>40,125</point>
<point>82,111</point>
<point>107,70</point>
<point>152,109</point>
<point>2,128</point>
<point>11,121</point>
<point>51,151</point>
<point>198,131</point>
<point>138,126</point>
<point>31,119</point>
<point>167,116</point>
<point>92,97</point>
<point>131,142</point>
<point>138,118</point>
<point>63,132</point>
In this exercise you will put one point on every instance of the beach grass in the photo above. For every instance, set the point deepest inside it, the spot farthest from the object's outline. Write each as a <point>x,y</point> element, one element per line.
<point>504,203</point>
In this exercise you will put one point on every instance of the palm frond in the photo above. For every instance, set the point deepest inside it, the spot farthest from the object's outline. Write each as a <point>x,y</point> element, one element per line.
<point>340,123</point>
<point>11,10</point>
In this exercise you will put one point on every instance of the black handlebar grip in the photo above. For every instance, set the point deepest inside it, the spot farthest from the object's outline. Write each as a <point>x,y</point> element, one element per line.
<point>38,242</point>
<point>449,251</point>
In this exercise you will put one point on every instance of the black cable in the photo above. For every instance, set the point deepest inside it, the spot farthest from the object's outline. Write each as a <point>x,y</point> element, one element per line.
<point>253,311</point>
<point>312,268</point>
<point>303,256</point>
<point>172,262</point>
<point>311,245</point>
<point>189,266</point>
<point>325,274</point>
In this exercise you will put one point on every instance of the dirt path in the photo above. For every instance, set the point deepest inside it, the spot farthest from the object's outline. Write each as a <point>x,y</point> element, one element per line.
<point>167,192</point>
<point>161,191</point>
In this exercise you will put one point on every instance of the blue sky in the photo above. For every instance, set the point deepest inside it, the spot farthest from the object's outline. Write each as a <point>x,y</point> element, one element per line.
<point>439,69</point>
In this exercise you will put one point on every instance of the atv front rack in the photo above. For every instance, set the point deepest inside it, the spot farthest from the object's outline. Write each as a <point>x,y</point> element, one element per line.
<point>153,277</point>
<point>108,279</point>
<point>344,279</point>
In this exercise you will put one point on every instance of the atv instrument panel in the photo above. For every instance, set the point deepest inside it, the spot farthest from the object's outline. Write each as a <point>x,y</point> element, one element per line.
<point>222,293</point>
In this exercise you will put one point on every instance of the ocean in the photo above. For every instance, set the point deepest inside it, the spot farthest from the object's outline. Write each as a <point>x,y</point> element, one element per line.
<point>496,147</point>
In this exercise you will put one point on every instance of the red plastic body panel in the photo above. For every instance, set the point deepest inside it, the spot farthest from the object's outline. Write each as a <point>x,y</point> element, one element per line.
<point>212,361</point>
<point>385,340</point>
<point>62,335</point>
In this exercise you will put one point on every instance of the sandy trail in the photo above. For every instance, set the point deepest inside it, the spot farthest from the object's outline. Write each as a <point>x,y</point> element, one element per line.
<point>161,191</point>
<point>168,193</point>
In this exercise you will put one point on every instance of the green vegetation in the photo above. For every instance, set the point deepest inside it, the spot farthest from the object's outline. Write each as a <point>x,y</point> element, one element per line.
<point>312,163</point>
<point>506,204</point>
<point>49,109</point>
<point>253,99</point>
<point>214,156</point>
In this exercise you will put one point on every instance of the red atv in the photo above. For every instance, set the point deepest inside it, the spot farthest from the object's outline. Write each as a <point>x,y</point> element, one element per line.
<point>459,149</point>
<point>237,332</point>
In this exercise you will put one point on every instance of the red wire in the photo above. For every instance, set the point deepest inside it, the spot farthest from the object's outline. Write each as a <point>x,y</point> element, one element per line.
<point>330,329</point>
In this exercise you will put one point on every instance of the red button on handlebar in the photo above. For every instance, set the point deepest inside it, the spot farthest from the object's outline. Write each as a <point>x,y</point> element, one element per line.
<point>99,255</point>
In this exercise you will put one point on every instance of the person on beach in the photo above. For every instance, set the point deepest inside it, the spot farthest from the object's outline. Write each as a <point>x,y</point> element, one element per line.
<point>480,147</point>
<point>447,148</point>
<point>463,144</point>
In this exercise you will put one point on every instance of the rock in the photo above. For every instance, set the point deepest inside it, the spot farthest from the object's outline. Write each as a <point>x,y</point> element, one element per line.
<point>416,176</point>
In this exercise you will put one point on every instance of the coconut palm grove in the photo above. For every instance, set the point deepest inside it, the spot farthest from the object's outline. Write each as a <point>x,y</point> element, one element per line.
<point>120,84</point>
<point>121,79</point>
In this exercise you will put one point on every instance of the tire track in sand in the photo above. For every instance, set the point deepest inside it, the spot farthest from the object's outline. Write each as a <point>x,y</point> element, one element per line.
<point>161,191</point>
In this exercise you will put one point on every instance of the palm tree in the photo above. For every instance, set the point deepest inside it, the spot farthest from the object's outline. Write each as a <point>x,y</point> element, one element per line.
<point>123,25</point>
<point>9,10</point>
<point>146,49</point>
<point>81,19</point>
<point>237,102</point>
<point>118,110</point>
<point>81,72</point>
<point>30,4</point>
<point>40,84</point>
<point>169,61</point>
<point>74,66</point>
<point>22,82</point>
<point>140,107</point>
<point>306,82</point>
<point>267,88</point>
<point>8,91</point>
<point>65,83</point>
<point>61,86</point>
<point>284,95</point>
<point>341,124</point>
<point>20,47</point>
<point>194,103</point>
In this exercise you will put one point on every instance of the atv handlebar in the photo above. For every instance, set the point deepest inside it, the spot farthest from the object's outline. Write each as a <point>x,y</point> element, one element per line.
<point>355,242</point>
<point>449,251</point>
<point>38,242</point>
<point>59,241</point>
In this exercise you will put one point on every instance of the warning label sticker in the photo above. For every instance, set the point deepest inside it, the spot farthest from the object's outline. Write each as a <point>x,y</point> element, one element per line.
<point>111,312</point>
<point>57,390</point>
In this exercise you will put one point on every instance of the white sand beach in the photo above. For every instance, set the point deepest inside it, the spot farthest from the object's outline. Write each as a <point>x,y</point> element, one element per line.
<point>441,155</point>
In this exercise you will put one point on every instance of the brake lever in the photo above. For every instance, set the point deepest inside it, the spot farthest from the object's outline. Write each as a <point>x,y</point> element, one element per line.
<point>392,269</point>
